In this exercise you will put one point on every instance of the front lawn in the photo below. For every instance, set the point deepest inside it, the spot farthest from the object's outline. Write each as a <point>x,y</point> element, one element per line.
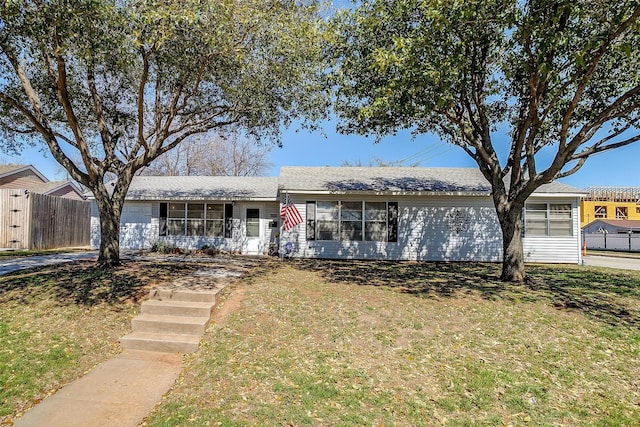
<point>58,322</point>
<point>416,344</point>
<point>348,343</point>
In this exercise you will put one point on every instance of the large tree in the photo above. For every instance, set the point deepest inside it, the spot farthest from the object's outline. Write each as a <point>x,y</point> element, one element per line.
<point>528,89</point>
<point>117,84</point>
<point>213,155</point>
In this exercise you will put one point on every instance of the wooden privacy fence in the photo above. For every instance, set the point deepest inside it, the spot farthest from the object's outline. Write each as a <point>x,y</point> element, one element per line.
<point>35,221</point>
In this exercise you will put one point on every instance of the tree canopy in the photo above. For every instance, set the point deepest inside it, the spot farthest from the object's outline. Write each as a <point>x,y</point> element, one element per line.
<point>219,155</point>
<point>117,84</point>
<point>557,78</point>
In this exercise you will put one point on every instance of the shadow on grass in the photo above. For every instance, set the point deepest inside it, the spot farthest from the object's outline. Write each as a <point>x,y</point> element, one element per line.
<point>608,295</point>
<point>83,283</point>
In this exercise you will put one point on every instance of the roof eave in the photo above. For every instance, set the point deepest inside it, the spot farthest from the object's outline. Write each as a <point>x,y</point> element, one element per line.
<point>557,194</point>
<point>201,198</point>
<point>388,193</point>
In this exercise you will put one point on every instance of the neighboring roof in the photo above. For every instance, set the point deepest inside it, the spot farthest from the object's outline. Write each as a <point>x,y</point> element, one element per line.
<point>203,187</point>
<point>556,187</point>
<point>53,186</point>
<point>619,223</point>
<point>6,170</point>
<point>406,180</point>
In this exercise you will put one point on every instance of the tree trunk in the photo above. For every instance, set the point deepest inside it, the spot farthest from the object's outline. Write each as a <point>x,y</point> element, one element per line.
<point>110,211</point>
<point>512,251</point>
<point>109,255</point>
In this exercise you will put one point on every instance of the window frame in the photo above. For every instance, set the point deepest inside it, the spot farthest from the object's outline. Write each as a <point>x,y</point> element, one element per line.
<point>195,222</point>
<point>600,211</point>
<point>548,223</point>
<point>341,220</point>
<point>622,212</point>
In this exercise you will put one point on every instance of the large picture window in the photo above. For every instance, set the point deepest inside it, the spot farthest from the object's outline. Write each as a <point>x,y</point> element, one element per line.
<point>352,221</point>
<point>548,219</point>
<point>327,223</point>
<point>195,219</point>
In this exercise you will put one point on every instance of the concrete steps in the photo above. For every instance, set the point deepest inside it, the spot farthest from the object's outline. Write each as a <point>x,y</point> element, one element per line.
<point>171,321</point>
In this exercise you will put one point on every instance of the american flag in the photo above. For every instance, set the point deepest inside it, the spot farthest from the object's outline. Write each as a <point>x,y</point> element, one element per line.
<point>289,213</point>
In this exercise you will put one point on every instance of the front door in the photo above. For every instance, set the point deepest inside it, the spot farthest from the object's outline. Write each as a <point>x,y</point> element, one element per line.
<point>253,242</point>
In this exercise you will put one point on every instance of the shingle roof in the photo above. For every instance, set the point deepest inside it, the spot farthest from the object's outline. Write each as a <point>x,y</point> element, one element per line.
<point>203,187</point>
<point>10,168</point>
<point>48,187</point>
<point>620,223</point>
<point>395,180</point>
<point>464,181</point>
<point>6,170</point>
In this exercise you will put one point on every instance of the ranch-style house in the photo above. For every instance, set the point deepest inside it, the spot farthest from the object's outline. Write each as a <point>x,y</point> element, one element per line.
<point>407,213</point>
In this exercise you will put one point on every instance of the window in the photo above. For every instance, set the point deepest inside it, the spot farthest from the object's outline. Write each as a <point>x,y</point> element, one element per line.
<point>311,220</point>
<point>542,219</point>
<point>375,221</point>
<point>352,221</point>
<point>327,224</point>
<point>176,222</point>
<point>622,212</point>
<point>253,222</point>
<point>560,223</point>
<point>215,220</point>
<point>600,212</point>
<point>195,219</point>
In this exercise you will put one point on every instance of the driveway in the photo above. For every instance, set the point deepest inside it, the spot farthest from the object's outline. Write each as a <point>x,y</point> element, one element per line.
<point>612,262</point>
<point>11,264</point>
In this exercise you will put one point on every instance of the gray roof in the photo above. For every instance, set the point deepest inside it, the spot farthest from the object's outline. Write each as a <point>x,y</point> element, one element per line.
<point>51,186</point>
<point>6,170</point>
<point>408,180</point>
<point>203,187</point>
<point>467,181</point>
<point>10,168</point>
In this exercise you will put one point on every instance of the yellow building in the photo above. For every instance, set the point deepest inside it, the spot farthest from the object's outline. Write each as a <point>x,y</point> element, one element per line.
<point>610,203</point>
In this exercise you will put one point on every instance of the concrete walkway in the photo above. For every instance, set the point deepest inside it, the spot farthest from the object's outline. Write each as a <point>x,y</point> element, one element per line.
<point>119,392</point>
<point>11,264</point>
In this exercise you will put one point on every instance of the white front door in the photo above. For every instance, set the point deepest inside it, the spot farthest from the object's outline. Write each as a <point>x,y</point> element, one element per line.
<point>253,234</point>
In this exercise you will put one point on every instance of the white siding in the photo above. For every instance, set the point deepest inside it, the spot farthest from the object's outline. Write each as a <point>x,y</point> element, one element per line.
<point>137,230</point>
<point>429,228</point>
<point>95,226</point>
<point>438,229</point>
<point>435,228</point>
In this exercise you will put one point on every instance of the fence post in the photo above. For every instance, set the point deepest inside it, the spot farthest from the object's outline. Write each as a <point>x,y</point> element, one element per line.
<point>605,240</point>
<point>629,240</point>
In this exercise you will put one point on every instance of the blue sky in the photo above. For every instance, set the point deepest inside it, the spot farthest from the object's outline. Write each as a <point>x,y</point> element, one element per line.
<point>616,168</point>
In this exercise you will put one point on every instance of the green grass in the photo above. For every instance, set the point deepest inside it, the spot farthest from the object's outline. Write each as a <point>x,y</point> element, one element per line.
<point>417,344</point>
<point>349,343</point>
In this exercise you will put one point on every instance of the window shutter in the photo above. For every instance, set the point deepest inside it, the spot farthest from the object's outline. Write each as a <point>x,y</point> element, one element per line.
<point>228,220</point>
<point>311,220</point>
<point>392,218</point>
<point>162,226</point>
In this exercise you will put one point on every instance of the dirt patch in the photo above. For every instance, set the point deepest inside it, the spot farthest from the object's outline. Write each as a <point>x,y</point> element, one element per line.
<point>230,305</point>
